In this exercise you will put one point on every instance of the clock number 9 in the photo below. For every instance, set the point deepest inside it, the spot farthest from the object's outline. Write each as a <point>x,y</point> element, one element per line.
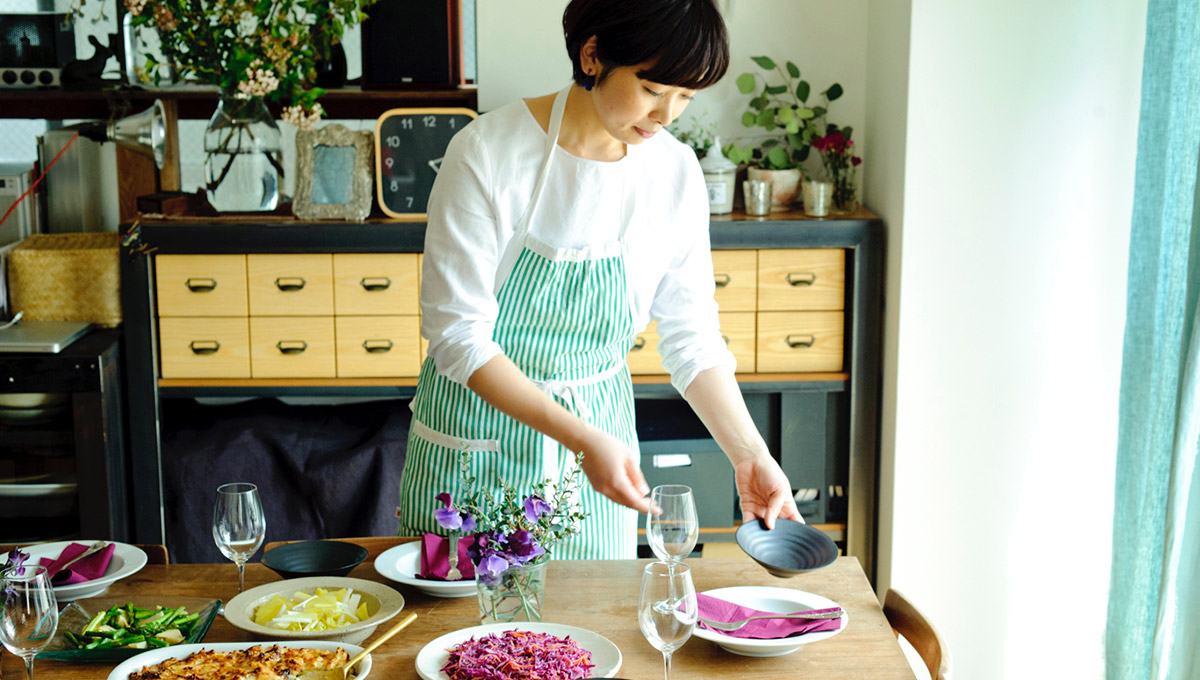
<point>388,163</point>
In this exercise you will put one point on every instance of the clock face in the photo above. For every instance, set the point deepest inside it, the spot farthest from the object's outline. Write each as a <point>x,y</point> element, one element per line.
<point>409,147</point>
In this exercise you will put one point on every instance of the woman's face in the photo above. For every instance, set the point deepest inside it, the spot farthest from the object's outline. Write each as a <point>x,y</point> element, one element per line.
<point>632,109</point>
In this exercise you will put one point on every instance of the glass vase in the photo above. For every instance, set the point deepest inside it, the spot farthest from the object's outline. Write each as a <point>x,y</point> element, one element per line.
<point>243,155</point>
<point>513,595</point>
<point>845,189</point>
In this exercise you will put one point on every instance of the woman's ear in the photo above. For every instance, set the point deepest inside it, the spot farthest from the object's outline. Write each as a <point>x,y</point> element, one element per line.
<point>587,57</point>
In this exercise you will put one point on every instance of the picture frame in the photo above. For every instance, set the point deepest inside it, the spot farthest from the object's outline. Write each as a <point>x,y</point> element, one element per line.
<point>334,173</point>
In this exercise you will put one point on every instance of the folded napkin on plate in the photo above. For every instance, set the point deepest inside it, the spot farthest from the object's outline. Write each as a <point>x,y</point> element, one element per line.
<point>91,567</point>
<point>435,557</point>
<point>762,629</point>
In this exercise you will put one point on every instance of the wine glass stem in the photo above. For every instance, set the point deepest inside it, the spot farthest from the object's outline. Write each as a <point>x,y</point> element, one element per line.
<point>241,576</point>
<point>666,665</point>
<point>29,667</point>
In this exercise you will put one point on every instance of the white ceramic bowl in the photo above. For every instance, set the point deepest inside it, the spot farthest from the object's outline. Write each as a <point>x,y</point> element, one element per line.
<point>154,656</point>
<point>382,603</point>
<point>401,564</point>
<point>776,601</point>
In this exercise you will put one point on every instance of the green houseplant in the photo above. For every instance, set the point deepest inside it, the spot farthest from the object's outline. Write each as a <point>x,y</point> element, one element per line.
<point>779,105</point>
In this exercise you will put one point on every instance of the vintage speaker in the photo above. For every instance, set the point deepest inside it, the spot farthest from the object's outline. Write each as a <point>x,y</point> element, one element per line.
<point>34,48</point>
<point>411,44</point>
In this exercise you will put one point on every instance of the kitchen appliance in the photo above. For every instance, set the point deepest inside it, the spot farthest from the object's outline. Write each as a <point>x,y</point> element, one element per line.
<point>412,44</point>
<point>33,48</point>
<point>15,180</point>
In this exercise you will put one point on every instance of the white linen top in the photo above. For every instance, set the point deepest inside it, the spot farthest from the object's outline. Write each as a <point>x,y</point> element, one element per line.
<point>481,193</point>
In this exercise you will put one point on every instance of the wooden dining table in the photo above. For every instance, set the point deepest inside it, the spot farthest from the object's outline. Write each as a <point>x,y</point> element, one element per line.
<point>599,595</point>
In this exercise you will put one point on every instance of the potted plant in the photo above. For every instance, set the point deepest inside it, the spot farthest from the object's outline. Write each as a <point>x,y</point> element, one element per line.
<point>780,105</point>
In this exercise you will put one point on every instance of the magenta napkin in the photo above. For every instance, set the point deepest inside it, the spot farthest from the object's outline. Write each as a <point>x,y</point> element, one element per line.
<point>91,567</point>
<point>762,629</point>
<point>435,557</point>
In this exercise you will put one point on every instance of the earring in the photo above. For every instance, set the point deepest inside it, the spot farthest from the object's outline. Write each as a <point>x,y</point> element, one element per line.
<point>589,81</point>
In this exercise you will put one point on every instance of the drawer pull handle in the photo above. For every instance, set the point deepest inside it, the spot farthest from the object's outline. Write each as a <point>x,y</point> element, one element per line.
<point>375,346</point>
<point>201,285</point>
<point>291,346</point>
<point>376,282</point>
<point>802,278</point>
<point>721,280</point>
<point>638,344</point>
<point>801,340</point>
<point>289,283</point>
<point>204,346</point>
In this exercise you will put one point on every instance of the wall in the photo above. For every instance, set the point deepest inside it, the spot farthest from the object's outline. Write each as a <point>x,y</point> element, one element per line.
<point>1005,321</point>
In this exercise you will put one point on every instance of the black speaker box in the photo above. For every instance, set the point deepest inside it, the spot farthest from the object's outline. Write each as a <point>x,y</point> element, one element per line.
<point>411,44</point>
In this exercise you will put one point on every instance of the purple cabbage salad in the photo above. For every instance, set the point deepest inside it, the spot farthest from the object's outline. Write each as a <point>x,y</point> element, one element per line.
<point>518,655</point>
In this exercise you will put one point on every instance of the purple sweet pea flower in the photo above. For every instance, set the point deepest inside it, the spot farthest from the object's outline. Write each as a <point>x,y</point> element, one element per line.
<point>522,545</point>
<point>535,507</point>
<point>445,499</point>
<point>491,565</point>
<point>468,524</point>
<point>448,518</point>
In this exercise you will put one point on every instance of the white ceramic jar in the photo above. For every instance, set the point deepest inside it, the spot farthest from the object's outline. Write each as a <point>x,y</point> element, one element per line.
<point>719,173</point>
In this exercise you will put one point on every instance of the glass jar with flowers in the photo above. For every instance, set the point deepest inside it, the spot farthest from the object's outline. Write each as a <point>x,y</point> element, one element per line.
<point>254,52</point>
<point>513,535</point>
<point>840,165</point>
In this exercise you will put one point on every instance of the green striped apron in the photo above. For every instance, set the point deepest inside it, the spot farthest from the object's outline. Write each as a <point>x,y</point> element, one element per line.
<point>566,320</point>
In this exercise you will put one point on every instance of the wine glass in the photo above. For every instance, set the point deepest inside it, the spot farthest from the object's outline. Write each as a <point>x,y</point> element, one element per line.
<point>238,524</point>
<point>667,608</point>
<point>30,613</point>
<point>673,530</point>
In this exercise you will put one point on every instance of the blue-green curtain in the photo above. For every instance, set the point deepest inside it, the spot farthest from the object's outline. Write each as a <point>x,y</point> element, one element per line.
<point>1154,602</point>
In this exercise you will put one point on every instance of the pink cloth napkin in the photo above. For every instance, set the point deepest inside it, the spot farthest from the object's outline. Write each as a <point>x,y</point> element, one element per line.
<point>763,629</point>
<point>435,557</point>
<point>91,567</point>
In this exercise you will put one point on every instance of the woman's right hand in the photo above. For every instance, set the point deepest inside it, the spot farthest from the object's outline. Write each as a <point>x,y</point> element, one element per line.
<point>613,470</point>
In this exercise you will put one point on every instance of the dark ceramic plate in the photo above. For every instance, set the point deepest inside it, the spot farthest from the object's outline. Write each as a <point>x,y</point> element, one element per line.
<point>314,558</point>
<point>790,548</point>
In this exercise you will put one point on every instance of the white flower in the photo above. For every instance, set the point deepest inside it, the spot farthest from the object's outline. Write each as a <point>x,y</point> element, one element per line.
<point>259,81</point>
<point>305,120</point>
<point>135,7</point>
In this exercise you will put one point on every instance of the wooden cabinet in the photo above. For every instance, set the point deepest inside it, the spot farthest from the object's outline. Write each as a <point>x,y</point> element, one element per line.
<point>800,307</point>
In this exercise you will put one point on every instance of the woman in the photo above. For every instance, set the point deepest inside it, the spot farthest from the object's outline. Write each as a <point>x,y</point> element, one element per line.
<point>558,227</point>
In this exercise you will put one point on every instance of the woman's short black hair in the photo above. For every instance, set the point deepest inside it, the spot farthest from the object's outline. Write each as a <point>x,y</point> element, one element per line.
<point>684,41</point>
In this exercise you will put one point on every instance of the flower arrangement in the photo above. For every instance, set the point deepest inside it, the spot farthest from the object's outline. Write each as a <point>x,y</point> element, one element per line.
<point>514,534</point>
<point>263,48</point>
<point>15,564</point>
<point>840,164</point>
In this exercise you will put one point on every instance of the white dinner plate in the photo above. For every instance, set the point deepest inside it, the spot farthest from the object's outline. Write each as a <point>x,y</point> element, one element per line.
<point>126,561</point>
<point>36,489</point>
<point>154,656</point>
<point>401,564</point>
<point>776,601</point>
<point>606,658</point>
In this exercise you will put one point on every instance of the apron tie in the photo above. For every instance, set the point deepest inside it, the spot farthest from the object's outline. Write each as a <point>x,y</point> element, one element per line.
<point>567,390</point>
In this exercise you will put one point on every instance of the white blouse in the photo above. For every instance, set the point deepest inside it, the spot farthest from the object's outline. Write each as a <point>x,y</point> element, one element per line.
<point>482,190</point>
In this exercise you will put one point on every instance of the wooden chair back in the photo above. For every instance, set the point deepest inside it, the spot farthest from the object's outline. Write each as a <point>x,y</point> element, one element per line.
<point>910,622</point>
<point>374,544</point>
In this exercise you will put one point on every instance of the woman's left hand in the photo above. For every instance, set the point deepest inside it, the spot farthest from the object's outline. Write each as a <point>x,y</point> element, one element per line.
<point>764,491</point>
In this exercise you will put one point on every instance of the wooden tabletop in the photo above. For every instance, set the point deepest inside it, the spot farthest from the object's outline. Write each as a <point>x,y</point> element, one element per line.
<point>598,595</point>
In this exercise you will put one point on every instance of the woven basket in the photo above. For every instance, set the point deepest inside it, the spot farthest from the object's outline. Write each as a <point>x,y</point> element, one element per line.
<point>67,277</point>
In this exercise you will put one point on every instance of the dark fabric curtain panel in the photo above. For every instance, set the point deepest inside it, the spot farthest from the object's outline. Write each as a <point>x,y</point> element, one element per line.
<point>323,471</point>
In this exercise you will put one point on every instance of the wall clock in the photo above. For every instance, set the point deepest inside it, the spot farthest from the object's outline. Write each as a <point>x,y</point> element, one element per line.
<point>409,147</point>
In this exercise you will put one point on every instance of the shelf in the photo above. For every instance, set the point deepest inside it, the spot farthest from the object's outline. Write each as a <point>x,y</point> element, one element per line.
<point>199,102</point>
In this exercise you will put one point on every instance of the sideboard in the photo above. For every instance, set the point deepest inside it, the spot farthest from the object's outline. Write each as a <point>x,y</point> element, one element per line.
<point>801,302</point>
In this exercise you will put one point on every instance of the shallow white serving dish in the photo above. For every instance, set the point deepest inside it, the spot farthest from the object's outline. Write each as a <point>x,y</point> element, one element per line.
<point>774,600</point>
<point>126,561</point>
<point>382,602</point>
<point>606,657</point>
<point>401,564</point>
<point>149,658</point>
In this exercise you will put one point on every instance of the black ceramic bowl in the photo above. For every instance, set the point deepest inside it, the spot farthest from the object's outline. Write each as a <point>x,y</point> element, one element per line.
<point>314,558</point>
<point>790,548</point>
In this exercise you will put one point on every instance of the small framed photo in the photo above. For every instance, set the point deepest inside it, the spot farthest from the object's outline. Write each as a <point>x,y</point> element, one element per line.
<point>334,173</point>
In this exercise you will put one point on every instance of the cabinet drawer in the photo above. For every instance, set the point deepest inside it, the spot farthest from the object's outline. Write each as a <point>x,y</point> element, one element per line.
<point>375,284</point>
<point>204,347</point>
<point>290,285</point>
<point>736,276</point>
<point>200,285</point>
<point>801,279</point>
<point>799,341</point>
<point>643,358</point>
<point>738,330</point>
<point>378,346</point>
<point>299,347</point>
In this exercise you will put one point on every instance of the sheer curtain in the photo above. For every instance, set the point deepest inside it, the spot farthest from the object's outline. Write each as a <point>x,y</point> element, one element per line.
<point>1154,602</point>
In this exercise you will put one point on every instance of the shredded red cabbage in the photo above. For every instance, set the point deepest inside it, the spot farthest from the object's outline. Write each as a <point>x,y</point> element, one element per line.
<point>518,655</point>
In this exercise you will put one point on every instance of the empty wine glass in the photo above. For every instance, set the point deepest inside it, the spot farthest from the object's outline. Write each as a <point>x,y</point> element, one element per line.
<point>667,608</point>
<point>238,525</point>
<point>671,524</point>
<point>30,613</point>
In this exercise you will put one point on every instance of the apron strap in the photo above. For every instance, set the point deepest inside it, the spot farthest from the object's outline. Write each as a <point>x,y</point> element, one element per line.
<point>517,242</point>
